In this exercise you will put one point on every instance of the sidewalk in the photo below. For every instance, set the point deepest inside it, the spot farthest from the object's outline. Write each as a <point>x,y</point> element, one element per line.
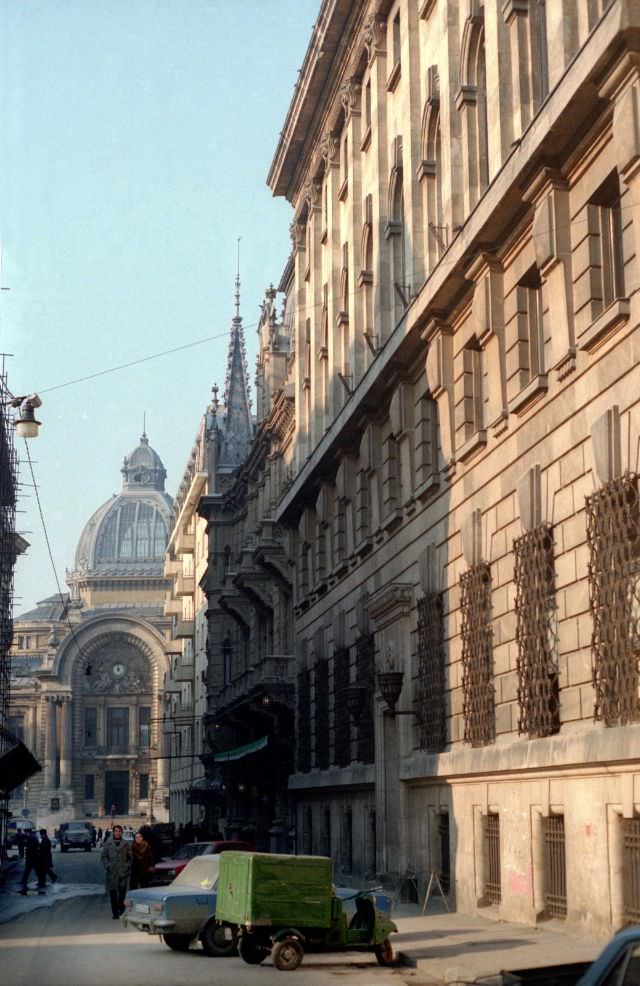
<point>463,947</point>
<point>13,904</point>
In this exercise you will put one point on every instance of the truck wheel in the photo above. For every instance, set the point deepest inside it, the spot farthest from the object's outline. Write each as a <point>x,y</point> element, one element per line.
<point>252,953</point>
<point>287,954</point>
<point>178,943</point>
<point>215,941</point>
<point>384,953</point>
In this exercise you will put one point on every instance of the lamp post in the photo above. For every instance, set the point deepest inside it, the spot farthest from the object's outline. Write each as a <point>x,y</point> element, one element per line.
<point>26,424</point>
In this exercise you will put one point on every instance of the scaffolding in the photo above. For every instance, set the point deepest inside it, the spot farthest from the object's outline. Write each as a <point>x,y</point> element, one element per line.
<point>8,481</point>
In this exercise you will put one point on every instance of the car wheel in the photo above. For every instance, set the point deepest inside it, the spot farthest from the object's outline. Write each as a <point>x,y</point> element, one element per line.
<point>384,953</point>
<point>178,943</point>
<point>252,953</point>
<point>287,954</point>
<point>215,941</point>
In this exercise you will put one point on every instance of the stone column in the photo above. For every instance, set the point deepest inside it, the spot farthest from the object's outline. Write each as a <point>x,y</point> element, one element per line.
<point>50,742</point>
<point>162,771</point>
<point>66,744</point>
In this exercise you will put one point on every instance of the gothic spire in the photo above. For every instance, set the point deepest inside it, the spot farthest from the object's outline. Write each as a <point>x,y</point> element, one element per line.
<point>237,428</point>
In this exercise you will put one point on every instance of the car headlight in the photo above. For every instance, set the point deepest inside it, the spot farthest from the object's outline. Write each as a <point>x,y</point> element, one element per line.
<point>128,903</point>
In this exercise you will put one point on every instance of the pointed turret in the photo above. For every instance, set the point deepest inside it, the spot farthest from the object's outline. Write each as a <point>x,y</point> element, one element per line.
<point>237,428</point>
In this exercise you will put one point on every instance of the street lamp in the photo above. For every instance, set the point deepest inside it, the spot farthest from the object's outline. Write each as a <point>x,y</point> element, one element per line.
<point>26,423</point>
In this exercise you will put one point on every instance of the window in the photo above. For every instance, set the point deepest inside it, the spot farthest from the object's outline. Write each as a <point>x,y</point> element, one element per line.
<point>143,789</point>
<point>90,726</point>
<point>159,538</point>
<point>492,880</point>
<point>341,720</point>
<point>431,708</point>
<point>477,656</point>
<point>118,727</point>
<point>555,867</point>
<point>599,257</point>
<point>365,677</point>
<point>395,52</point>
<point>16,726</point>
<point>470,407</point>
<point>630,870</point>
<point>472,103</point>
<point>89,787</point>
<point>307,831</point>
<point>144,526</point>
<point>347,841</point>
<point>524,332</point>
<point>144,726</point>
<point>304,721</point>
<point>127,530</point>
<point>344,168</point>
<point>322,713</point>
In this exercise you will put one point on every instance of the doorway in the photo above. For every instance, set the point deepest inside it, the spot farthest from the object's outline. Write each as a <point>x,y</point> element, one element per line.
<point>116,792</point>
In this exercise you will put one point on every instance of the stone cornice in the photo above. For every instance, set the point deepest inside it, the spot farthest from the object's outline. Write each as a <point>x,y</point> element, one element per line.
<point>390,604</point>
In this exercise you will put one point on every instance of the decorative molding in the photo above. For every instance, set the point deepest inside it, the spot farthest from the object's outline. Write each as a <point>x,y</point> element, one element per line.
<point>297,232</point>
<point>329,147</point>
<point>313,195</point>
<point>350,94</point>
<point>374,35</point>
<point>607,446</point>
<point>391,603</point>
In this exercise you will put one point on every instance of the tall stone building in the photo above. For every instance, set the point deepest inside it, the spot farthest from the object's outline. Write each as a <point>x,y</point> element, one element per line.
<point>463,503</point>
<point>88,667</point>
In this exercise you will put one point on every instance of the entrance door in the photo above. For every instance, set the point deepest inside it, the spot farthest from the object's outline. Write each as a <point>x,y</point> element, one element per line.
<point>116,792</point>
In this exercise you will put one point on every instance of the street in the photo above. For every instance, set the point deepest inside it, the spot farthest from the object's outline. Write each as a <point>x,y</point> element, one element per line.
<point>76,943</point>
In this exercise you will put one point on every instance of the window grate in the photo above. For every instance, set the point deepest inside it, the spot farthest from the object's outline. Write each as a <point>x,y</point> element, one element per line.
<point>304,721</point>
<point>365,671</point>
<point>342,724</point>
<point>477,659</point>
<point>445,851</point>
<point>631,870</point>
<point>322,713</point>
<point>492,886</point>
<point>555,866</point>
<point>431,718</point>
<point>613,535</point>
<point>536,636</point>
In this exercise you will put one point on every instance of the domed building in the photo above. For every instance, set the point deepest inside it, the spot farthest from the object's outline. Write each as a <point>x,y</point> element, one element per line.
<point>88,667</point>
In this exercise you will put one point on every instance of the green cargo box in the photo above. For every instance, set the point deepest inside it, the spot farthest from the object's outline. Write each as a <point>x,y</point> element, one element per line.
<point>272,890</point>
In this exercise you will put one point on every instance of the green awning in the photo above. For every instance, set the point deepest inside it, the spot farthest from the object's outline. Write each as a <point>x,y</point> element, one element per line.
<point>241,751</point>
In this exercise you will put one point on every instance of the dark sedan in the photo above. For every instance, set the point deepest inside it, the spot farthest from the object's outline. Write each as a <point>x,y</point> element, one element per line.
<point>169,869</point>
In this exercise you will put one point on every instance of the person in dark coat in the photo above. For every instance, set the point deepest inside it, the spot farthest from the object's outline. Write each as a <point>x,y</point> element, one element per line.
<point>116,859</point>
<point>142,862</point>
<point>45,859</point>
<point>32,862</point>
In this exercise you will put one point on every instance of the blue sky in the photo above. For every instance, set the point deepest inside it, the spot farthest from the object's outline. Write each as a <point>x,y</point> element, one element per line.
<point>135,143</point>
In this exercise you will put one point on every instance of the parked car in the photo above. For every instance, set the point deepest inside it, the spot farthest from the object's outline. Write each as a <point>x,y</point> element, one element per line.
<point>75,835</point>
<point>185,911</point>
<point>169,869</point>
<point>619,961</point>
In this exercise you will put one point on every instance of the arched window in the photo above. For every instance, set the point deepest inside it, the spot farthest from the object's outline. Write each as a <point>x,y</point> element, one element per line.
<point>127,531</point>
<point>396,235</point>
<point>472,103</point>
<point>437,233</point>
<point>366,277</point>
<point>160,537</point>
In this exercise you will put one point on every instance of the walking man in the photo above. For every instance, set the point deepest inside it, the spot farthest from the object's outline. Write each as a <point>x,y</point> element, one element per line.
<point>32,862</point>
<point>45,859</point>
<point>116,859</point>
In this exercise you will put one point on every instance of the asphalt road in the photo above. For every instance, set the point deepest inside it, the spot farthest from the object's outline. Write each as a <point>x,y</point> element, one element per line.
<point>77,943</point>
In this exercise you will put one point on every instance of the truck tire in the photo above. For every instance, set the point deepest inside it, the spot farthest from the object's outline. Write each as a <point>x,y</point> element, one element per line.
<point>251,952</point>
<point>215,942</point>
<point>178,943</point>
<point>385,954</point>
<point>287,954</point>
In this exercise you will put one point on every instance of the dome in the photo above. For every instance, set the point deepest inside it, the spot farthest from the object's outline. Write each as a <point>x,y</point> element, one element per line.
<point>128,534</point>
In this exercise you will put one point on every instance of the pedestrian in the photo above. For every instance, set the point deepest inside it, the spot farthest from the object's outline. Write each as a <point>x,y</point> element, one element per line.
<point>45,859</point>
<point>32,862</point>
<point>100,835</point>
<point>21,839</point>
<point>116,859</point>
<point>142,862</point>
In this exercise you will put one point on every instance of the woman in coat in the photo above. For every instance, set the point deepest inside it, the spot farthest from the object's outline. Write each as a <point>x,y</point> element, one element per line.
<point>116,859</point>
<point>142,862</point>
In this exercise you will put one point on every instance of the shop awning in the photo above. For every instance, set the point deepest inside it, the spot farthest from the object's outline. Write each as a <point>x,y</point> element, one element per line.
<point>241,751</point>
<point>17,763</point>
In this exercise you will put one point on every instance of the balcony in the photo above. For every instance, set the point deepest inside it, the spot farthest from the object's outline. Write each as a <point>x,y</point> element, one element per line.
<point>184,542</point>
<point>273,671</point>
<point>184,585</point>
<point>172,606</point>
<point>184,628</point>
<point>182,671</point>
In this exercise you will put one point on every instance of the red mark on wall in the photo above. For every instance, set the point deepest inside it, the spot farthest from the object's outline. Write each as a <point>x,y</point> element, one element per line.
<point>587,829</point>
<point>520,884</point>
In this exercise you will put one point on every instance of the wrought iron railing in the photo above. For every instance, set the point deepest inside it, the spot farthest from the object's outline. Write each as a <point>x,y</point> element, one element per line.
<point>536,635</point>
<point>631,870</point>
<point>555,867</point>
<point>477,657</point>
<point>493,882</point>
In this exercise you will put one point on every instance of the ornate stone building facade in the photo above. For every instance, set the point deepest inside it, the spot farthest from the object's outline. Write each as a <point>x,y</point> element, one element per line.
<point>89,667</point>
<point>464,507</point>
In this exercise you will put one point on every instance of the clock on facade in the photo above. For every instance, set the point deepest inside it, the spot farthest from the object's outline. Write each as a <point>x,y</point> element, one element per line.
<point>118,670</point>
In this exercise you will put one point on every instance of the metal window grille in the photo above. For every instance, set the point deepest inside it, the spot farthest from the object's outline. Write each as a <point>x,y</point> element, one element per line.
<point>445,851</point>
<point>631,870</point>
<point>555,866</point>
<point>492,885</point>
<point>431,717</point>
<point>304,721</point>
<point>613,535</point>
<point>321,716</point>
<point>477,658</point>
<point>536,637</point>
<point>341,722</point>
<point>365,671</point>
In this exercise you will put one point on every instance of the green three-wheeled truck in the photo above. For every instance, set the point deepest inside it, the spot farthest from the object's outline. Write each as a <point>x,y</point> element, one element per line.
<point>286,905</point>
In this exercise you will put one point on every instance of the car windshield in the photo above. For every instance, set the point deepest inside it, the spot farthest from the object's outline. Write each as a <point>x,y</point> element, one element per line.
<point>190,851</point>
<point>77,828</point>
<point>201,873</point>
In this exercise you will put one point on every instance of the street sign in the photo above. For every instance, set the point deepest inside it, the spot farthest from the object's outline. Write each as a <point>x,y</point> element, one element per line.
<point>25,812</point>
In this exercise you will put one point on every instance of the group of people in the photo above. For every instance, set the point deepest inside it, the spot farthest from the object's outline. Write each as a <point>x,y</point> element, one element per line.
<point>127,865</point>
<point>37,859</point>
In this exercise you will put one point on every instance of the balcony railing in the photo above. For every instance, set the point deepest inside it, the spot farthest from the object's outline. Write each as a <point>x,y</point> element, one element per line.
<point>184,628</point>
<point>184,585</point>
<point>183,672</point>
<point>185,543</point>
<point>272,670</point>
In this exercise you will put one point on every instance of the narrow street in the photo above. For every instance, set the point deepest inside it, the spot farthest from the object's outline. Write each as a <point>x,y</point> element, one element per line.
<point>75,942</point>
